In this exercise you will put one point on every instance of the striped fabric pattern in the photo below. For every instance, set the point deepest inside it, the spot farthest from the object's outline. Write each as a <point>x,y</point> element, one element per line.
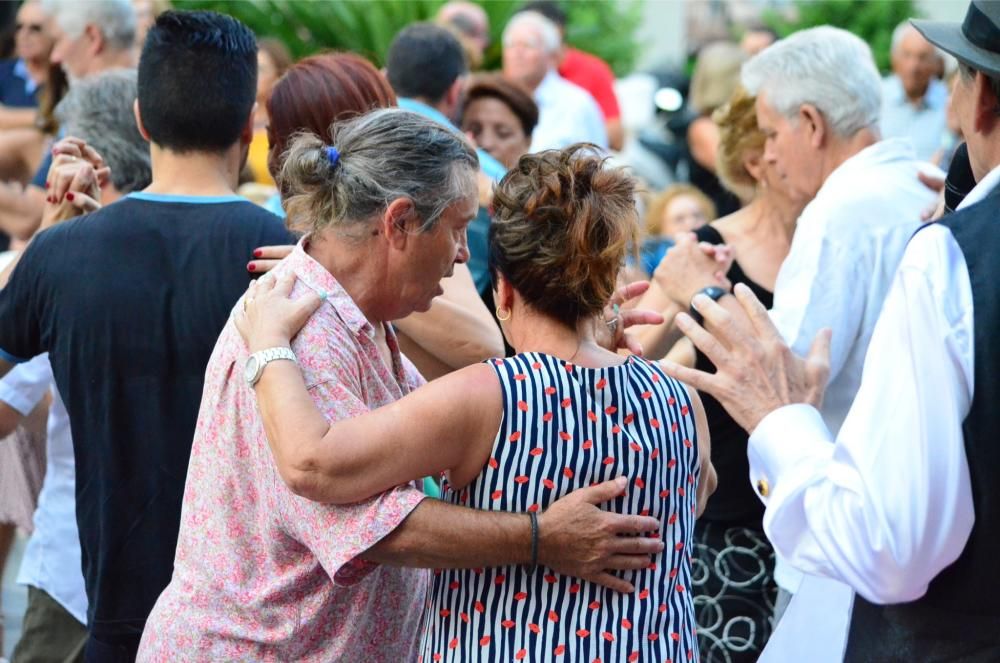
<point>566,427</point>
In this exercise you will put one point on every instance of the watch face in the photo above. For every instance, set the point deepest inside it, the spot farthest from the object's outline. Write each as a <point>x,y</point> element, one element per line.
<point>250,372</point>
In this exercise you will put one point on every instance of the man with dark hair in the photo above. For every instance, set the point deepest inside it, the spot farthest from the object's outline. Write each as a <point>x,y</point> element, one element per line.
<point>129,300</point>
<point>426,68</point>
<point>586,70</point>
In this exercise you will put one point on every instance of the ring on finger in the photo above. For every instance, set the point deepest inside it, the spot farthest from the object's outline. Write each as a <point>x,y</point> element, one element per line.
<point>612,324</point>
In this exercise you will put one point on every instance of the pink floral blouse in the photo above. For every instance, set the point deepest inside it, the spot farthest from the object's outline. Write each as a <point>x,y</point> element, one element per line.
<point>260,573</point>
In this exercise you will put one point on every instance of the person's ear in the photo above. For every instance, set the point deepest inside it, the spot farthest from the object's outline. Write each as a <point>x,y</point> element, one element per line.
<point>246,134</point>
<point>754,164</point>
<point>814,124</point>
<point>453,96</point>
<point>503,294</point>
<point>399,222</point>
<point>95,39</point>
<point>986,104</point>
<point>138,121</point>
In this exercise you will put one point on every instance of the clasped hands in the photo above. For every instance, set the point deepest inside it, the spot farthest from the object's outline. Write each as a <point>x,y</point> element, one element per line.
<point>74,181</point>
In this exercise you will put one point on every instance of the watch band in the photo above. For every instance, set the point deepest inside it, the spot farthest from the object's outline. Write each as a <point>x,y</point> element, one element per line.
<point>713,292</point>
<point>264,357</point>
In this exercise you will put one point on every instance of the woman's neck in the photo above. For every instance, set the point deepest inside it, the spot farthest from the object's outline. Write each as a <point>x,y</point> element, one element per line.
<point>535,332</point>
<point>771,214</point>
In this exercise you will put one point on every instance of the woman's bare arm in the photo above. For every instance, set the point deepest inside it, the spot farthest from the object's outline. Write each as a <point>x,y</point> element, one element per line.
<point>708,481</point>
<point>346,461</point>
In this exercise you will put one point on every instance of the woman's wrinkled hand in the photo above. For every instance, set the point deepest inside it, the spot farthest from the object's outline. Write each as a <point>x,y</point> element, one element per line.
<point>268,317</point>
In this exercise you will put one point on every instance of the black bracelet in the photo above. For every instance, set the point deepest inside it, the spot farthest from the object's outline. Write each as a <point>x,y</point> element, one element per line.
<point>534,539</point>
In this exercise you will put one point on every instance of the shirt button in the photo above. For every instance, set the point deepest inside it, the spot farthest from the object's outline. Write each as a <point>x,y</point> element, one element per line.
<point>763,487</point>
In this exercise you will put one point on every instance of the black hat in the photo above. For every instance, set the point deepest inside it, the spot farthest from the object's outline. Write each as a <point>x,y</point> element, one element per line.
<point>976,42</point>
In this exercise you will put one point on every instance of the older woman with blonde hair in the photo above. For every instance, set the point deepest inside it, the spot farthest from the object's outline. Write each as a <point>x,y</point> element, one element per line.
<point>735,590</point>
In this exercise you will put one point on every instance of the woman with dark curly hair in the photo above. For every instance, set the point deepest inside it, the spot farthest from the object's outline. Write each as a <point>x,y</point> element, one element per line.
<point>516,434</point>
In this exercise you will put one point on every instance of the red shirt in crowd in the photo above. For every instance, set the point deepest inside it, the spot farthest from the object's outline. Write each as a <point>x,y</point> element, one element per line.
<point>595,76</point>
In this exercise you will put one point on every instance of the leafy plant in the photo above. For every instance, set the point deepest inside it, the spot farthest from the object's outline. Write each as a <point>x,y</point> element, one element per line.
<point>604,27</point>
<point>872,20</point>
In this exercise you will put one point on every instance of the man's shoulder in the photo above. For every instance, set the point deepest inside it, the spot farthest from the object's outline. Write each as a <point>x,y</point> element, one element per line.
<point>978,219</point>
<point>582,61</point>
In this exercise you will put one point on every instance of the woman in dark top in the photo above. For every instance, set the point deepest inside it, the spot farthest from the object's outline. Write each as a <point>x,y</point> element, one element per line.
<point>733,564</point>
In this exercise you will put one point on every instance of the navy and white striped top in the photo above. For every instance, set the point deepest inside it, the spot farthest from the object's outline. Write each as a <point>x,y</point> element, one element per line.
<point>566,427</point>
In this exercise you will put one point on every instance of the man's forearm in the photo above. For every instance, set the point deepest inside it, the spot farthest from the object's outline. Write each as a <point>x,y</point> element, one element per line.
<point>441,535</point>
<point>21,211</point>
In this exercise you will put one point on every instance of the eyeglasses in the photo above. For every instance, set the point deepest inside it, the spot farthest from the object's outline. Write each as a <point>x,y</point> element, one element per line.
<point>33,28</point>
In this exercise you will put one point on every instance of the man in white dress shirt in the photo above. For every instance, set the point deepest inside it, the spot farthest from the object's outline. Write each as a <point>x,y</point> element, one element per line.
<point>903,506</point>
<point>818,103</point>
<point>567,113</point>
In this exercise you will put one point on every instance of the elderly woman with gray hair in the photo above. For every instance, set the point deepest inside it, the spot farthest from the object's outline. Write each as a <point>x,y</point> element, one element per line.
<point>262,572</point>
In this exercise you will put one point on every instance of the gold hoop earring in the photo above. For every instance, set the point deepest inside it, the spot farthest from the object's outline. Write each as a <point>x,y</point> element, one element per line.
<point>502,318</point>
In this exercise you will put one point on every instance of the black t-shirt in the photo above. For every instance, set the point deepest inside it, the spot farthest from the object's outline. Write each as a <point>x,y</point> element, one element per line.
<point>129,301</point>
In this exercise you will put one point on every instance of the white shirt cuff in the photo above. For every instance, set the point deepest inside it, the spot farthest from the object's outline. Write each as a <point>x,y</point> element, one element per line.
<point>791,437</point>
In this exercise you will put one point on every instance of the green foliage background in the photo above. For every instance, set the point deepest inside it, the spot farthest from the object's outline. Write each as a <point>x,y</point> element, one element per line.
<point>872,20</point>
<point>603,27</point>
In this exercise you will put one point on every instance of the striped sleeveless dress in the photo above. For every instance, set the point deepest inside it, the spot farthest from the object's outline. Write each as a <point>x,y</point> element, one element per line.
<point>566,427</point>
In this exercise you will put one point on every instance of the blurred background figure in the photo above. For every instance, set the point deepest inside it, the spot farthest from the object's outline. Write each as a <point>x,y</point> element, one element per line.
<point>146,12</point>
<point>914,100</point>
<point>25,75</point>
<point>680,208</point>
<point>716,76</point>
<point>32,83</point>
<point>588,71</point>
<point>22,469</point>
<point>499,116</point>
<point>470,23</point>
<point>567,113</point>
<point>756,38</point>
<point>88,38</point>
<point>273,59</point>
<point>427,70</point>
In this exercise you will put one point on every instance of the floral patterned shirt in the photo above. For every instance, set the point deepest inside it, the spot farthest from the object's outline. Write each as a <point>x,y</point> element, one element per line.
<point>264,575</point>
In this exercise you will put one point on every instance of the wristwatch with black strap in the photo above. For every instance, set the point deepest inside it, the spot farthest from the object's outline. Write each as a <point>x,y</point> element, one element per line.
<point>713,292</point>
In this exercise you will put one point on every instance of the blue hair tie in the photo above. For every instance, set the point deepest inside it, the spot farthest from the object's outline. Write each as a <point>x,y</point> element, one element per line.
<point>332,155</point>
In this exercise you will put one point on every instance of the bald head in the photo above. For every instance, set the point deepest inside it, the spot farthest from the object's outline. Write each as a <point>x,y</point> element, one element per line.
<point>469,19</point>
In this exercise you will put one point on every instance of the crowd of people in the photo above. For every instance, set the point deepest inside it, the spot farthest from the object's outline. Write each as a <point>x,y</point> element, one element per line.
<point>307,360</point>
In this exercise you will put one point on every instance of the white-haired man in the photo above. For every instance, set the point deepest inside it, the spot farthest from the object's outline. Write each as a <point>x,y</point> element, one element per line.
<point>818,101</point>
<point>914,101</point>
<point>90,37</point>
<point>904,506</point>
<point>567,113</point>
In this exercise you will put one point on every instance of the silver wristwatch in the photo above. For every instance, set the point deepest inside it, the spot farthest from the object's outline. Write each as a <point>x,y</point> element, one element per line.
<point>258,360</point>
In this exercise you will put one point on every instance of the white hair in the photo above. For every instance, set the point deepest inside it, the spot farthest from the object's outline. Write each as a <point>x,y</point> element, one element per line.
<point>547,30</point>
<point>900,33</point>
<point>827,67</point>
<point>114,18</point>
